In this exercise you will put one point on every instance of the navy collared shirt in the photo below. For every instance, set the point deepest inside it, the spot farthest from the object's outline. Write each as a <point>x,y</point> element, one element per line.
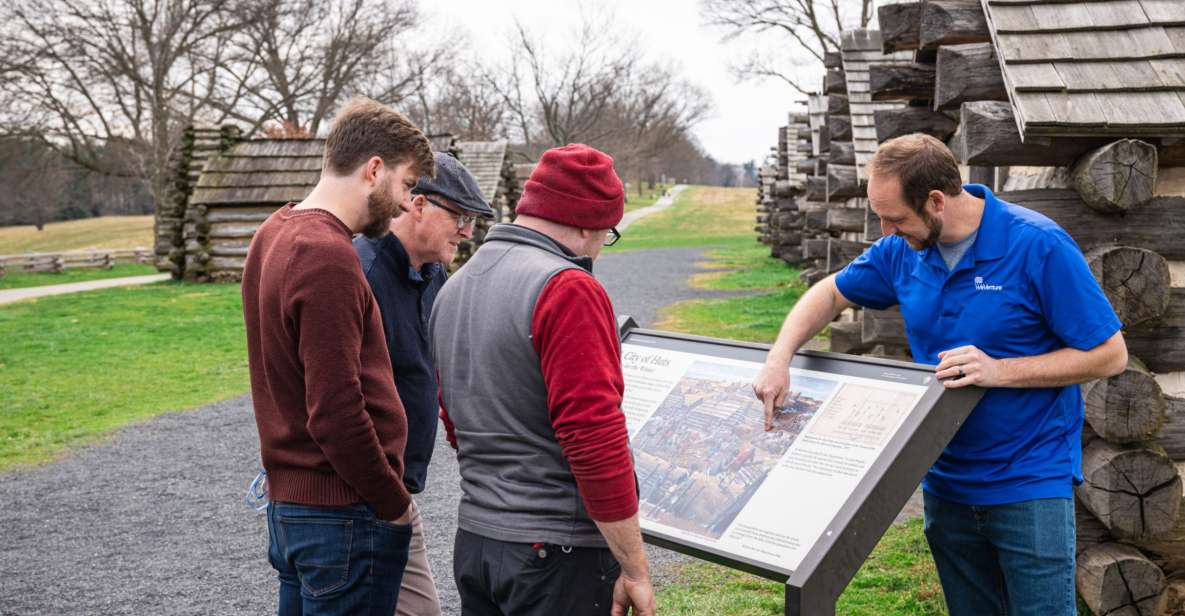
<point>1022,289</point>
<point>405,296</point>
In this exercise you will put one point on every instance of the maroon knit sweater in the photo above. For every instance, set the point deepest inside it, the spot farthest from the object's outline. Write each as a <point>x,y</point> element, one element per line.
<point>331,426</point>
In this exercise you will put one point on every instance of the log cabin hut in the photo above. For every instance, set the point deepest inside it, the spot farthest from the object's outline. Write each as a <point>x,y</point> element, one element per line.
<point>227,186</point>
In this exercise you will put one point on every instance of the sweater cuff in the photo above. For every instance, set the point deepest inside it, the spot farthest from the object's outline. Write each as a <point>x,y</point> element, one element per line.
<point>611,499</point>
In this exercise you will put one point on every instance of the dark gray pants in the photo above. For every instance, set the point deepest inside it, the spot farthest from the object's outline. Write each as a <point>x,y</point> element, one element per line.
<point>498,578</point>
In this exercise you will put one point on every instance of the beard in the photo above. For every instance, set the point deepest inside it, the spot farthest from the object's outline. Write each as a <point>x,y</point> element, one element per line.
<point>934,230</point>
<point>381,207</point>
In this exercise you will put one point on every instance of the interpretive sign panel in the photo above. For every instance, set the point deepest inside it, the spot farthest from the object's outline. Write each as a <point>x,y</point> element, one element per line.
<point>846,451</point>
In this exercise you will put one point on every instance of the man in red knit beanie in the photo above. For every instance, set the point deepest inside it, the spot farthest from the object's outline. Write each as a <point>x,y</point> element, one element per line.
<point>526,346</point>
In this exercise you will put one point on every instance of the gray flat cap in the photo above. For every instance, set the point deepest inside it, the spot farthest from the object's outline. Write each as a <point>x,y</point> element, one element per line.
<point>454,182</point>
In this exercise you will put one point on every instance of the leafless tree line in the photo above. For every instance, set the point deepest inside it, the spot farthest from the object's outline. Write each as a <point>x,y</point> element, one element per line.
<point>109,85</point>
<point>806,29</point>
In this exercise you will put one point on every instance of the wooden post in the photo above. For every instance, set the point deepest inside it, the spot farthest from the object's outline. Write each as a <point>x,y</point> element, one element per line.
<point>952,22</point>
<point>1117,176</point>
<point>896,122</point>
<point>1135,280</point>
<point>890,82</point>
<point>899,25</point>
<point>967,73</point>
<point>1117,579</point>
<point>1126,408</point>
<point>1134,491</point>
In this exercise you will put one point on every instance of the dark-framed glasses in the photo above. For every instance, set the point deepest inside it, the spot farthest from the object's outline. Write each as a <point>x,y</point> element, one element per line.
<point>612,237</point>
<point>463,220</point>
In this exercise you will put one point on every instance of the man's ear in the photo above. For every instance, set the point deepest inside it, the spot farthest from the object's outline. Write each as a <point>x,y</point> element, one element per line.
<point>939,199</point>
<point>372,168</point>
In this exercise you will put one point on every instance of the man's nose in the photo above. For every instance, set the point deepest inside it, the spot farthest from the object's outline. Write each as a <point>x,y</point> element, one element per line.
<point>466,231</point>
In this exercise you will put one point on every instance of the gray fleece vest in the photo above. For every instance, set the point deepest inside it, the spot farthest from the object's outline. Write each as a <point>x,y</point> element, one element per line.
<point>516,484</point>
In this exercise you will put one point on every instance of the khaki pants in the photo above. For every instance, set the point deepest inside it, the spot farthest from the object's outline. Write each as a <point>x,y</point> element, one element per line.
<point>417,594</point>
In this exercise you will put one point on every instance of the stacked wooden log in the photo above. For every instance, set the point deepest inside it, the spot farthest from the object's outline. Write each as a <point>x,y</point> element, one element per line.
<point>488,162</point>
<point>173,225</point>
<point>766,176</point>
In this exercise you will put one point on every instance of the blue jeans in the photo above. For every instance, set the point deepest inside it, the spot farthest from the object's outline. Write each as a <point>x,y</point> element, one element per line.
<point>335,560</point>
<point>1004,560</point>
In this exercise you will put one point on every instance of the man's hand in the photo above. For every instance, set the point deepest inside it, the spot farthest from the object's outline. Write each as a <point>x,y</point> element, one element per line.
<point>967,365</point>
<point>771,387</point>
<point>628,592</point>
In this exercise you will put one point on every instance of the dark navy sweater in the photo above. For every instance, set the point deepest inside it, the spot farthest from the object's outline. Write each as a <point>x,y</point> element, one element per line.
<point>405,296</point>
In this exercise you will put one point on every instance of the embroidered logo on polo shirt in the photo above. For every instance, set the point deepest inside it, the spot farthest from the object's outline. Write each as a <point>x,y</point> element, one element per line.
<point>980,285</point>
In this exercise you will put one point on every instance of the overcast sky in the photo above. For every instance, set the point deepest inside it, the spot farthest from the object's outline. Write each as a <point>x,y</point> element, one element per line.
<point>747,115</point>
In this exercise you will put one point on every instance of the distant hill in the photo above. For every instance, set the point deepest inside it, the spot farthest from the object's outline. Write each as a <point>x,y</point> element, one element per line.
<point>101,232</point>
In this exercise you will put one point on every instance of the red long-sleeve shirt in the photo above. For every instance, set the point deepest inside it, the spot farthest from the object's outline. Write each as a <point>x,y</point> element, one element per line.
<point>573,331</point>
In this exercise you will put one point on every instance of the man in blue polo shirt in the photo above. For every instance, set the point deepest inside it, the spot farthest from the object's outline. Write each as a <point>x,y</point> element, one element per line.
<point>405,269</point>
<point>993,295</point>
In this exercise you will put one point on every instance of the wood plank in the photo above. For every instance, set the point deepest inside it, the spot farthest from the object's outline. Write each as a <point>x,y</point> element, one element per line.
<point>1030,47</point>
<point>1108,14</point>
<point>1142,108</point>
<point>1015,18</point>
<point>1177,37</point>
<point>1150,42</point>
<point>897,122</point>
<point>1079,109</point>
<point>1170,72</point>
<point>1043,76</point>
<point>1164,12</point>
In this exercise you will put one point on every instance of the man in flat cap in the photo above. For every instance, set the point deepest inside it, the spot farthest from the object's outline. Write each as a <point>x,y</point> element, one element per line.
<point>405,269</point>
<point>531,385</point>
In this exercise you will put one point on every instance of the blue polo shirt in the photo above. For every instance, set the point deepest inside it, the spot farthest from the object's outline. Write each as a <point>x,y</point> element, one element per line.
<point>405,296</point>
<point>1023,289</point>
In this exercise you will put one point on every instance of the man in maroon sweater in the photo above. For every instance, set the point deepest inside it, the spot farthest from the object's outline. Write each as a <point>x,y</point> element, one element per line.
<point>331,426</point>
<point>525,343</point>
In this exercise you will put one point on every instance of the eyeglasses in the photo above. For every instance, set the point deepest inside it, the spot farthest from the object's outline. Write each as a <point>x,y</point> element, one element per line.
<point>463,220</point>
<point>612,237</point>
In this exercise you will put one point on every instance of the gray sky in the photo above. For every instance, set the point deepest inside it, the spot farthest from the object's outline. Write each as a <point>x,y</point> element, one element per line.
<point>746,116</point>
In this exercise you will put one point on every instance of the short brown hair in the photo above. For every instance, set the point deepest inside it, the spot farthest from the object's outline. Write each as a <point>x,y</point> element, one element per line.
<point>365,128</point>
<point>921,163</point>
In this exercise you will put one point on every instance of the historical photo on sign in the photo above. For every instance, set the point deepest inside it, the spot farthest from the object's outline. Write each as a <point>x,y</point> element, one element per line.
<point>704,452</point>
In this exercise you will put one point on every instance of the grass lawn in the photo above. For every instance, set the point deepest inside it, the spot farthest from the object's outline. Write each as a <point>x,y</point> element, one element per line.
<point>20,280</point>
<point>75,367</point>
<point>102,232</point>
<point>700,216</point>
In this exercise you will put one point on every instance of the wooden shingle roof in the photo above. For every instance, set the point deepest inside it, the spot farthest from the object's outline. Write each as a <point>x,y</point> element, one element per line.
<point>860,49</point>
<point>1092,67</point>
<point>264,171</point>
<point>484,160</point>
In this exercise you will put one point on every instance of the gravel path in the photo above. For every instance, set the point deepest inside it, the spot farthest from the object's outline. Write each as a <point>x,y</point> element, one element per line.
<point>152,521</point>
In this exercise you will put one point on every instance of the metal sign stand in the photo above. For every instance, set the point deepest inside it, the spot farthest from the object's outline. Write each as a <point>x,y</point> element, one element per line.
<point>814,587</point>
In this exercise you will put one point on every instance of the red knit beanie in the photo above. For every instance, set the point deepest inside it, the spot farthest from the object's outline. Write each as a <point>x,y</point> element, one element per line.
<point>576,186</point>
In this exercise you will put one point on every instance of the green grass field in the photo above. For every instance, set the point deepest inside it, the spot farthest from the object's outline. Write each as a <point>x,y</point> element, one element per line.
<point>701,216</point>
<point>20,280</point>
<point>75,367</point>
<point>102,232</point>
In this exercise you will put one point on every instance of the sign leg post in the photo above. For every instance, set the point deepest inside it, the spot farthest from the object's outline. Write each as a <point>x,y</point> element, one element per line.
<point>800,604</point>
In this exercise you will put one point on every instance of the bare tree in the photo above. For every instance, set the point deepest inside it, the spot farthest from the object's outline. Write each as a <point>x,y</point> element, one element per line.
<point>294,61</point>
<point>812,27</point>
<point>566,96</point>
<point>457,100</point>
<point>103,70</point>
